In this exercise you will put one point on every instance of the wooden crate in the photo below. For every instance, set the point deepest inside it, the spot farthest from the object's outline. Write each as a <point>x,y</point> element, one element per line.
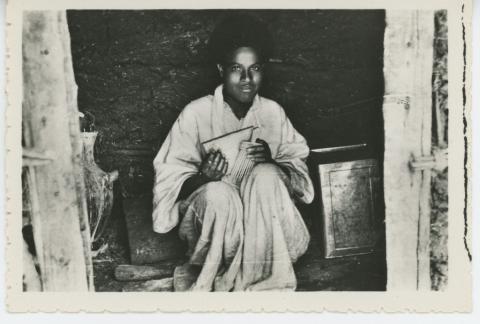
<point>349,198</point>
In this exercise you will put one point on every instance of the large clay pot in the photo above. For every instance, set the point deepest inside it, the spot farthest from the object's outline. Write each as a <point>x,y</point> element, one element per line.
<point>99,187</point>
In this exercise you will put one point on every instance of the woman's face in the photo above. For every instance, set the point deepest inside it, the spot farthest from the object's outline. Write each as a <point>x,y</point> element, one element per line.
<point>242,75</point>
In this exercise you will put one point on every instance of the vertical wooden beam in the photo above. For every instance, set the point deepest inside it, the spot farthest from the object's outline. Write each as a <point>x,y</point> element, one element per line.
<point>46,114</point>
<point>407,108</point>
<point>77,146</point>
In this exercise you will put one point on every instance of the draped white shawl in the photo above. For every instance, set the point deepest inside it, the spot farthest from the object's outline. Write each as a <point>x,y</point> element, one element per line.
<point>181,153</point>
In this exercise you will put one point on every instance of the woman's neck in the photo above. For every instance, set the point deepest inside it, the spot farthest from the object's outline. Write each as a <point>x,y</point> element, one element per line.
<point>239,109</point>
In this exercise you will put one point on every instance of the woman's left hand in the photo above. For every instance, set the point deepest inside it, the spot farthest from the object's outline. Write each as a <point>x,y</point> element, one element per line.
<point>260,153</point>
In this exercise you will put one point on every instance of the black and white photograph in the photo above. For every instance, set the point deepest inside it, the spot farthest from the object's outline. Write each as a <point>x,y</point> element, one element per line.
<point>227,150</point>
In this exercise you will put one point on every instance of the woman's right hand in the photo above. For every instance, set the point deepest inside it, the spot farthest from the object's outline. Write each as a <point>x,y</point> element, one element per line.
<point>214,166</point>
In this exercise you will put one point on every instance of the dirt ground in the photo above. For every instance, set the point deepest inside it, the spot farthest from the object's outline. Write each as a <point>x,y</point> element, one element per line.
<point>314,273</point>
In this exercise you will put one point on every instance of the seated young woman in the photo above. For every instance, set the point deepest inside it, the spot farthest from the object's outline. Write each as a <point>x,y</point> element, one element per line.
<point>242,237</point>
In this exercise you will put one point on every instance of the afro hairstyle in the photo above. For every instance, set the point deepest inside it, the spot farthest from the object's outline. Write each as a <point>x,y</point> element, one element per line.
<point>240,30</point>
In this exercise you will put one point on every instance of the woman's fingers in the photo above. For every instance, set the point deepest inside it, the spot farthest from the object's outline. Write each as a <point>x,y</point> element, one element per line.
<point>209,159</point>
<point>256,152</point>
<point>225,168</point>
<point>265,149</point>
<point>255,149</point>
<point>259,159</point>
<point>258,156</point>
<point>216,160</point>
<point>260,153</point>
<point>259,140</point>
<point>217,166</point>
<point>221,164</point>
<point>207,162</point>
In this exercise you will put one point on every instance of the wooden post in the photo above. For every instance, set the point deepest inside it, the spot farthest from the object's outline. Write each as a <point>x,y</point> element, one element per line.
<point>48,110</point>
<point>77,147</point>
<point>408,63</point>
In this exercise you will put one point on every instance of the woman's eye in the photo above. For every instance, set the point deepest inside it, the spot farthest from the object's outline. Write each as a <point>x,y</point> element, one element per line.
<point>235,68</point>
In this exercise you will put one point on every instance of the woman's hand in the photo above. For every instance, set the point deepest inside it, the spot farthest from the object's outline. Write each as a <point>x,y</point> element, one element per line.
<point>260,153</point>
<point>214,166</point>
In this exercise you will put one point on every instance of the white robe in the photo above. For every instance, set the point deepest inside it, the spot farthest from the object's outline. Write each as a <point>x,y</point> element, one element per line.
<point>250,236</point>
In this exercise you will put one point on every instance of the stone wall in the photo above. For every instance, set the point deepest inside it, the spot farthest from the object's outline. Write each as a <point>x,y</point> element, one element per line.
<point>136,70</point>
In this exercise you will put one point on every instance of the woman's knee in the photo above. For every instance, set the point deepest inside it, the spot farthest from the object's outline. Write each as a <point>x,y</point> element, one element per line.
<point>218,192</point>
<point>266,172</point>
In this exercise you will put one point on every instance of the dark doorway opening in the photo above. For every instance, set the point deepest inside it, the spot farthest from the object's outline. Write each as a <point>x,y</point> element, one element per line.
<point>136,70</point>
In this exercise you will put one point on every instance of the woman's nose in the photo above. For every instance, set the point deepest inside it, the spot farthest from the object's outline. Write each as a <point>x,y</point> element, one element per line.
<point>245,75</point>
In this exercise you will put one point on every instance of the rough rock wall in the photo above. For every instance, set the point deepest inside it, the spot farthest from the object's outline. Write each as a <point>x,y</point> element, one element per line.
<point>136,70</point>
<point>439,218</point>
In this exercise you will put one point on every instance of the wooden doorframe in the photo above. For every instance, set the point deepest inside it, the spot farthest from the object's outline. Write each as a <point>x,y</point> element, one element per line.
<point>51,155</point>
<point>409,156</point>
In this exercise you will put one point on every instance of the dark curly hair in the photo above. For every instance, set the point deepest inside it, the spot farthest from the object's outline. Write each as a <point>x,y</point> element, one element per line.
<point>240,30</point>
